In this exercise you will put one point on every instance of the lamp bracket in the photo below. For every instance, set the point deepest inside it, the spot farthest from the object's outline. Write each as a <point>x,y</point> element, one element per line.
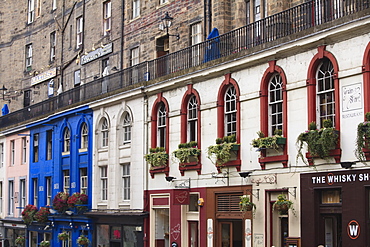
<point>256,195</point>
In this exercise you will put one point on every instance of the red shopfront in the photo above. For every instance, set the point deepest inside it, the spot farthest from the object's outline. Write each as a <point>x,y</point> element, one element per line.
<point>335,208</point>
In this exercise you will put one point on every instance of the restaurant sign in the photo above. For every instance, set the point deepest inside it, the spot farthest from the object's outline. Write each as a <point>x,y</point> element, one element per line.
<point>44,76</point>
<point>99,52</point>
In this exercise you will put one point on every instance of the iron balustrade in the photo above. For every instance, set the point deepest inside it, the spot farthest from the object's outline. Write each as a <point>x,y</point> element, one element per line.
<point>285,23</point>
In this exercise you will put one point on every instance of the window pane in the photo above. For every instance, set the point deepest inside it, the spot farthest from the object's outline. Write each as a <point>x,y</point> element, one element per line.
<point>230,111</point>
<point>275,103</point>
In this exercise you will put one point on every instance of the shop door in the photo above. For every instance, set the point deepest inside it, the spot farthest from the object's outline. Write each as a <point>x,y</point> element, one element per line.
<point>231,233</point>
<point>332,230</point>
<point>193,234</point>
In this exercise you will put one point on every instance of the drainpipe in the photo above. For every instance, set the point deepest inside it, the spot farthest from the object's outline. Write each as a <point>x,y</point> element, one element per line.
<point>209,16</point>
<point>122,33</point>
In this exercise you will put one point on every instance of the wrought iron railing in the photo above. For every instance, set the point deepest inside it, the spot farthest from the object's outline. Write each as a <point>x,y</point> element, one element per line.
<point>291,21</point>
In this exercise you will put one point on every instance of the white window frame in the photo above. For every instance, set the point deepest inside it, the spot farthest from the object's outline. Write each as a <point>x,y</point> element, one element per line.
<point>35,154</point>
<point>107,17</point>
<point>126,128</point>
<point>31,11</point>
<point>66,181</point>
<point>12,152</point>
<point>66,141</point>
<point>48,191</point>
<point>35,185</point>
<point>230,111</point>
<point>22,193</point>
<point>11,197</point>
<point>54,4</point>
<point>192,119</point>
<point>325,93</point>
<point>104,132</point>
<point>104,183</point>
<point>275,89</point>
<point>28,55</point>
<point>135,9</point>
<point>1,196</point>
<point>79,31</point>
<point>53,39</point>
<point>77,77</point>
<point>84,137</point>
<point>126,182</point>
<point>49,145</point>
<point>1,155</point>
<point>83,180</point>
<point>24,150</point>
<point>161,126</point>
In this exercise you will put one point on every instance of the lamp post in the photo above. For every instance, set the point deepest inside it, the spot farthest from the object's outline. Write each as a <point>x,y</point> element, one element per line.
<point>3,89</point>
<point>166,23</point>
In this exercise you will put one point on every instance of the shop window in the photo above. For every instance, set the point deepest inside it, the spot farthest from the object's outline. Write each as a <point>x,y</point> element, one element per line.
<point>36,148</point>
<point>68,242</point>
<point>115,233</point>
<point>33,239</point>
<point>49,144</point>
<point>331,196</point>
<point>102,236</point>
<point>162,227</point>
<point>193,203</point>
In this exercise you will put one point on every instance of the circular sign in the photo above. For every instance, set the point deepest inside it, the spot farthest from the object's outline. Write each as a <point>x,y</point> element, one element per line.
<point>353,229</point>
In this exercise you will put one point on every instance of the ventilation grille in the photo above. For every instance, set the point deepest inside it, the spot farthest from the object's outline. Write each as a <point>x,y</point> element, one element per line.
<point>228,203</point>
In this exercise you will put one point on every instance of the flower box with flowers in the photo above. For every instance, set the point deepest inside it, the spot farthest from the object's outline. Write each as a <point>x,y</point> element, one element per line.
<point>42,215</point>
<point>60,202</point>
<point>157,158</point>
<point>225,150</point>
<point>63,236</point>
<point>28,214</point>
<point>78,201</point>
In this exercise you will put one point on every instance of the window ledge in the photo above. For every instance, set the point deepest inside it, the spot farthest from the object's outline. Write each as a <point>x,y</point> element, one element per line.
<point>65,153</point>
<point>125,145</point>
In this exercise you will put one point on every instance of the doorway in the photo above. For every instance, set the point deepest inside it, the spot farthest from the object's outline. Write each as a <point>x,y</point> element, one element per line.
<point>231,233</point>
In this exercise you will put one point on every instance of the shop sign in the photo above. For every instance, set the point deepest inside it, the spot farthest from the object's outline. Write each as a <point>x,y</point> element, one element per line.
<point>332,178</point>
<point>44,76</point>
<point>353,229</point>
<point>15,225</point>
<point>99,52</point>
<point>181,197</point>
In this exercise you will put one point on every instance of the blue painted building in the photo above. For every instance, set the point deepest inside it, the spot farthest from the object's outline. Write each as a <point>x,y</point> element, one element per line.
<point>61,161</point>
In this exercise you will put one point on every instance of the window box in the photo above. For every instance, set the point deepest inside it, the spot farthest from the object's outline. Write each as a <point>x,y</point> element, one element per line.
<point>157,158</point>
<point>363,139</point>
<point>188,155</point>
<point>270,142</point>
<point>225,150</point>
<point>321,143</point>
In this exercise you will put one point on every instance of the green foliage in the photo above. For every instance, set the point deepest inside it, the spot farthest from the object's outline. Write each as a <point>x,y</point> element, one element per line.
<point>363,137</point>
<point>269,142</point>
<point>157,157</point>
<point>245,204</point>
<point>187,151</point>
<point>319,142</point>
<point>220,153</point>
<point>44,243</point>
<point>283,204</point>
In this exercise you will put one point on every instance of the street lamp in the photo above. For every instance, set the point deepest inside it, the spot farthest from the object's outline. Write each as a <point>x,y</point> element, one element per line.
<point>3,89</point>
<point>166,23</point>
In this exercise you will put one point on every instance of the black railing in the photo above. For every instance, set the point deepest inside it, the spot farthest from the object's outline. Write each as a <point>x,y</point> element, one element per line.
<point>266,30</point>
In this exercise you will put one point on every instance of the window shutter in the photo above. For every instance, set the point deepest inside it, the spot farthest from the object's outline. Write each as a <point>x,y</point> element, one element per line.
<point>228,203</point>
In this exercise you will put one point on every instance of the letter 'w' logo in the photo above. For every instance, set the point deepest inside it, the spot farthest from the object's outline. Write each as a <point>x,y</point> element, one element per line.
<point>353,229</point>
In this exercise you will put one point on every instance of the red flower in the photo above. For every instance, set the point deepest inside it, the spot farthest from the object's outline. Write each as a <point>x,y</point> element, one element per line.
<point>42,215</point>
<point>28,214</point>
<point>60,202</point>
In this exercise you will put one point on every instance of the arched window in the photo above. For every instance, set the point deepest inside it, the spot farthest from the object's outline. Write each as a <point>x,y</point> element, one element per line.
<point>192,119</point>
<point>104,132</point>
<point>161,126</point>
<point>126,127</point>
<point>230,111</point>
<point>66,140</point>
<point>325,92</point>
<point>84,136</point>
<point>275,104</point>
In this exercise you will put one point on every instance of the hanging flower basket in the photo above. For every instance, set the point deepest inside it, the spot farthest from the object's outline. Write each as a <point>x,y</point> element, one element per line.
<point>21,240</point>
<point>60,202</point>
<point>245,204</point>
<point>42,215</point>
<point>282,205</point>
<point>78,201</point>
<point>28,214</point>
<point>63,236</point>
<point>82,240</point>
<point>44,243</point>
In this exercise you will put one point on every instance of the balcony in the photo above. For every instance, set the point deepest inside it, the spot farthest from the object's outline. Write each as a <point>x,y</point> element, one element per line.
<point>309,16</point>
